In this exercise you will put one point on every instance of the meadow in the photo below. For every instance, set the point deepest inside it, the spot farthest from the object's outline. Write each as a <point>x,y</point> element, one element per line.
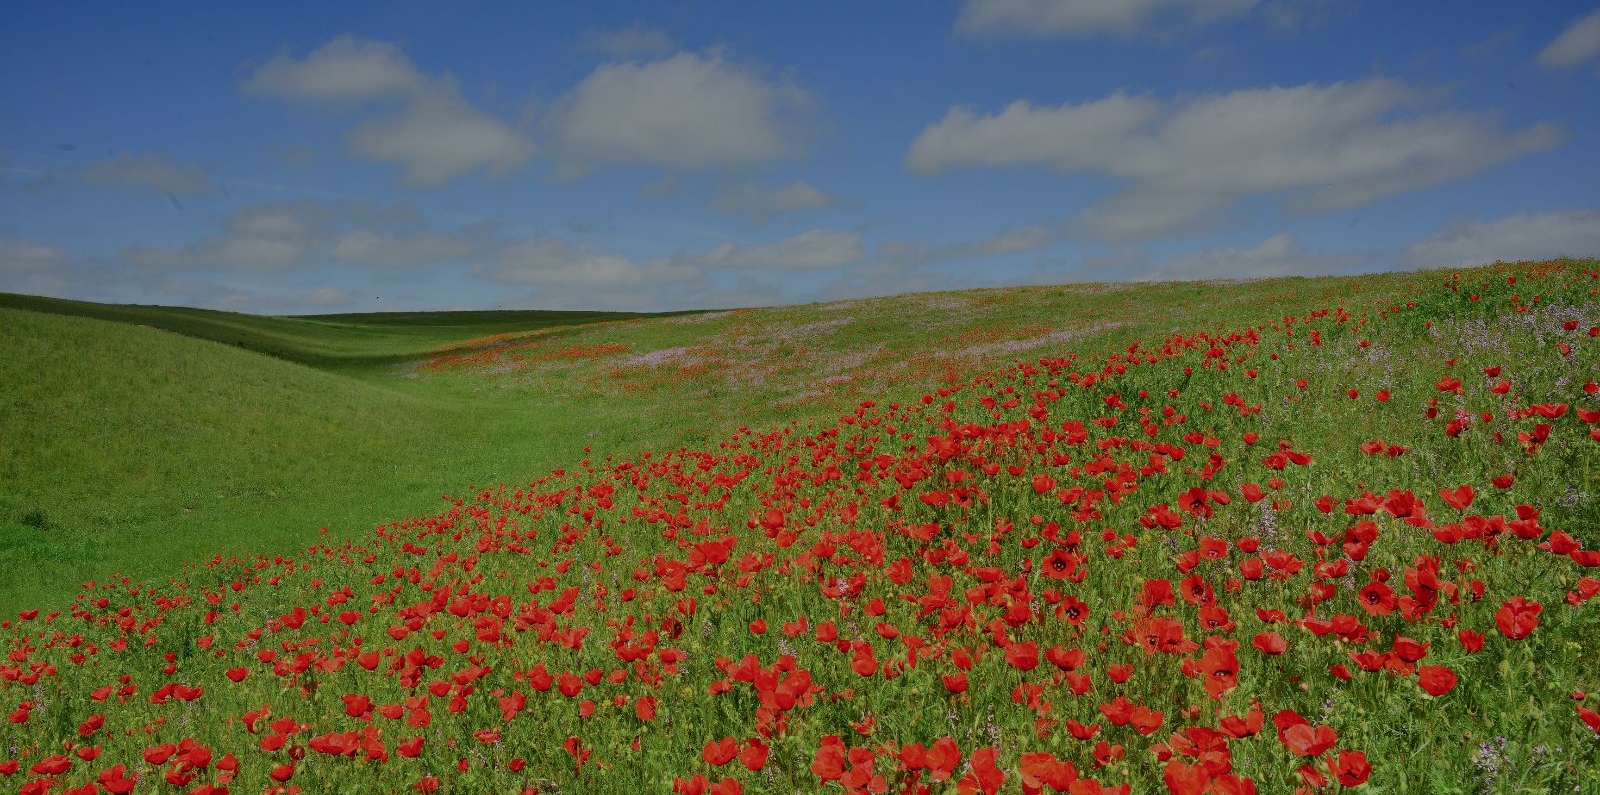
<point>1290,535</point>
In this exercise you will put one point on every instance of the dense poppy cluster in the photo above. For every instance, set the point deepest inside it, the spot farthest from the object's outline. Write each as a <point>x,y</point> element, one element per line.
<point>1308,554</point>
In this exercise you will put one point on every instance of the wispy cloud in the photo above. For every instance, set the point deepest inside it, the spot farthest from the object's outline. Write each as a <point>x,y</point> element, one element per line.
<point>1514,237</point>
<point>1579,42</point>
<point>1184,162</point>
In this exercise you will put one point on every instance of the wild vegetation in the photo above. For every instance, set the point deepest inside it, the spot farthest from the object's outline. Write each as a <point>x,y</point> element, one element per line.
<point>1295,535</point>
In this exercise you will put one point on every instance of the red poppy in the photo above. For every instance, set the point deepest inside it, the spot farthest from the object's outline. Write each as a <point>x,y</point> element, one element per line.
<point>1350,768</point>
<point>943,757</point>
<point>720,752</point>
<point>986,776</point>
<point>1300,736</point>
<point>828,764</point>
<point>754,756</point>
<point>1518,617</point>
<point>1023,656</point>
<point>1040,769</point>
<point>1270,643</point>
<point>1436,679</point>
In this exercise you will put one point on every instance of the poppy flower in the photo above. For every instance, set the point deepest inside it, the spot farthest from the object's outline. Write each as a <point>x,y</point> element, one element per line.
<point>828,764</point>
<point>1300,736</point>
<point>1270,643</point>
<point>1518,617</point>
<point>1023,656</point>
<point>943,756</point>
<point>755,754</point>
<point>1349,768</point>
<point>1436,679</point>
<point>986,776</point>
<point>1040,769</point>
<point>720,752</point>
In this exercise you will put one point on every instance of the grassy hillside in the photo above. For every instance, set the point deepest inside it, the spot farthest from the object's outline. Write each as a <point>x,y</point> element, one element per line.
<point>1335,541</point>
<point>321,340</point>
<point>127,448</point>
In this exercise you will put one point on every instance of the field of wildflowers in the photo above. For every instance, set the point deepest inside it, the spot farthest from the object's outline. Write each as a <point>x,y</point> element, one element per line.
<point>1352,548</point>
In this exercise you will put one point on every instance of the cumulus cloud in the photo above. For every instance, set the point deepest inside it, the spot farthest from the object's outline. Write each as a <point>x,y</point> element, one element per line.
<point>1184,162</point>
<point>1046,18</point>
<point>1515,237</point>
<point>347,70</point>
<point>1578,43</point>
<point>688,112</point>
<point>1278,255</point>
<point>425,128</point>
<point>438,137</point>
<point>759,204</point>
<point>637,41</point>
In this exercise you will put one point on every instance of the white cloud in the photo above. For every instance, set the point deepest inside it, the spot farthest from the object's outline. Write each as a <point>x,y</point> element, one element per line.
<point>24,256</point>
<point>758,204</point>
<point>568,275</point>
<point>1295,15</point>
<point>327,297</point>
<point>346,70</point>
<point>383,250</point>
<point>223,253</point>
<point>553,262</point>
<point>297,157</point>
<point>1184,162</point>
<point>1515,237</point>
<point>1043,18</point>
<point>1015,240</point>
<point>633,42</point>
<point>439,137</point>
<point>433,134</point>
<point>270,238</point>
<point>811,250</point>
<point>1578,43</point>
<point>37,269</point>
<point>688,112</point>
<point>1276,256</point>
<point>1066,138</point>
<point>149,172</point>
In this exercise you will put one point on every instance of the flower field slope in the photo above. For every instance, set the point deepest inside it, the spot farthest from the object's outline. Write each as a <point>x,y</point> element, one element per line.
<point>123,449</point>
<point>1349,546</point>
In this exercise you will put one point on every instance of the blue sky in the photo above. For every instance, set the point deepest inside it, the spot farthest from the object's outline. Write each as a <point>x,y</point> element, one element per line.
<point>315,157</point>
